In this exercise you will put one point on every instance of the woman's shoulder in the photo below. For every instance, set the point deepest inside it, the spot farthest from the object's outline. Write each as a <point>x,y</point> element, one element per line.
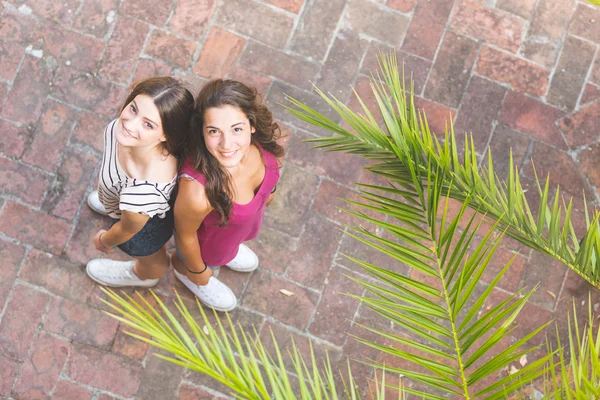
<point>163,169</point>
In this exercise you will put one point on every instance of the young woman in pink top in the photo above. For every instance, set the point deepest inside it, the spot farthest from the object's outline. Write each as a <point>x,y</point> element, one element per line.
<point>228,178</point>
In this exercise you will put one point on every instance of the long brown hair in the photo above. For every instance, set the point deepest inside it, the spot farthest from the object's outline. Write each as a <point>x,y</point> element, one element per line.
<point>175,105</point>
<point>218,93</point>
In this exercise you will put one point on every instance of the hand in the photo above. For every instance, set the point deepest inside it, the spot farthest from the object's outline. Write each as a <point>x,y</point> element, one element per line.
<point>200,279</point>
<point>98,243</point>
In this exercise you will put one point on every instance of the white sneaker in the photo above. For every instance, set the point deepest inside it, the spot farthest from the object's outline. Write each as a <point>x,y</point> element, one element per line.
<point>215,294</point>
<point>94,202</point>
<point>113,273</point>
<point>245,260</point>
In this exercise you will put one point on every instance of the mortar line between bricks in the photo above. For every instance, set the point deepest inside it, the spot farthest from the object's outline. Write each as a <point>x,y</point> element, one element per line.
<point>9,296</point>
<point>202,42</point>
<point>206,389</point>
<point>586,80</point>
<point>465,92</point>
<point>340,22</point>
<point>495,123</point>
<point>299,17</point>
<point>21,162</point>
<point>560,291</point>
<point>139,57</point>
<point>106,40</point>
<point>171,12</point>
<point>526,35</point>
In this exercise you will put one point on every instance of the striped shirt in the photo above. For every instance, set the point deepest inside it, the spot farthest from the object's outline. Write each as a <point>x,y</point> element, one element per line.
<point>119,192</point>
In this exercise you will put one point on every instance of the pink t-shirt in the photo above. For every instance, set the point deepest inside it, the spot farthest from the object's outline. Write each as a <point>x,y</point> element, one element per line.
<point>219,245</point>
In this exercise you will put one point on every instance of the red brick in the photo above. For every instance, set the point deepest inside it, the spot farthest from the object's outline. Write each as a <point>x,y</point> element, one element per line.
<point>10,57</point>
<point>452,69</point>
<point>160,379</point>
<point>543,53</point>
<point>520,74</point>
<point>404,6</point>
<point>312,260</point>
<point>73,179</point>
<point>256,20</point>
<point>316,27</point>
<point>304,154</point>
<point>81,249</point>
<point>532,117</point>
<point>16,28</point>
<point>123,50</point>
<point>191,17</point>
<point>263,295</point>
<point>129,346</point>
<point>139,9</point>
<point>590,93</point>
<point>147,68</point>
<point>42,368</point>
<point>193,82</point>
<point>188,392</point>
<point>89,130</point>
<point>523,8</point>
<point>265,60</point>
<point>19,323</point>
<point>96,17</point>
<point>171,48</point>
<point>14,139</point>
<point>58,11</point>
<point>274,249</point>
<point>366,17</point>
<point>479,110</point>
<point>25,100</point>
<point>362,88</point>
<point>219,54</point>
<point>335,166</point>
<point>496,28</point>
<point>588,162</point>
<point>9,371</point>
<point>34,227</point>
<point>503,141</point>
<point>336,310</point>
<point>10,260</point>
<point>569,79</point>
<point>22,181</point>
<point>80,323</point>
<point>342,64</point>
<point>104,371</point>
<point>595,77</point>
<point>50,137</point>
<point>438,116</point>
<point>426,28</point>
<point>586,22</point>
<point>66,390</point>
<point>88,92</point>
<point>560,166</point>
<point>261,82</point>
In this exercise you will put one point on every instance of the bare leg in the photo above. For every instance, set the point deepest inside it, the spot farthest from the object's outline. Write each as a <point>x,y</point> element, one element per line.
<point>182,269</point>
<point>152,266</point>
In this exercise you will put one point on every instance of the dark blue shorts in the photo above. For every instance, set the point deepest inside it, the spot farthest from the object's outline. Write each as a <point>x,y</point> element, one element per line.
<point>153,236</point>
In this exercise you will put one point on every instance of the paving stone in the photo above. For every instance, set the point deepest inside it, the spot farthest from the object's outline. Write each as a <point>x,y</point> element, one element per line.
<point>10,56</point>
<point>336,310</point>
<point>304,154</point>
<point>96,17</point>
<point>362,89</point>
<point>49,10</point>
<point>3,93</point>
<point>89,130</point>
<point>123,49</point>
<point>129,346</point>
<point>34,227</point>
<point>139,9</point>
<point>73,178</point>
<point>89,92</point>
<point>588,162</point>
<point>316,249</point>
<point>79,51</point>
<point>219,54</point>
<point>294,70</point>
<point>160,379</point>
<point>479,110</point>
<point>191,17</point>
<point>523,8</point>
<point>580,128</point>
<point>188,392</point>
<point>521,75</point>
<point>289,5</point>
<point>330,202</point>
<point>316,28</point>
<point>451,71</point>
<point>16,32</point>
<point>549,273</point>
<point>404,6</point>
<point>595,77</point>
<point>342,64</point>
<point>9,371</point>
<point>569,78</point>
<point>586,22</point>
<point>503,141</point>
<point>500,29</point>
<point>104,371</point>
<point>427,27</point>
<point>19,323</point>
<point>259,21</point>
<point>50,137</point>
<point>42,368</point>
<point>591,93</point>
<point>147,68</point>
<point>263,295</point>
<point>438,116</point>
<point>11,256</point>
<point>170,48</point>
<point>261,82</point>
<point>31,86</point>
<point>66,390</point>
<point>366,17</point>
<point>22,181</point>
<point>274,249</point>
<point>532,117</point>
<point>543,53</point>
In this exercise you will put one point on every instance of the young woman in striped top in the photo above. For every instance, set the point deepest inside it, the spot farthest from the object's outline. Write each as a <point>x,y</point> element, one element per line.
<point>137,179</point>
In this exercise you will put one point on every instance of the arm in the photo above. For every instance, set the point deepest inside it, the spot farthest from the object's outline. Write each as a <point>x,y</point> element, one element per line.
<point>191,207</point>
<point>130,224</point>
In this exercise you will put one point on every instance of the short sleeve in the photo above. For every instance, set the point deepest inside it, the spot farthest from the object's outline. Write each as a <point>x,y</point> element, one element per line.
<point>144,198</point>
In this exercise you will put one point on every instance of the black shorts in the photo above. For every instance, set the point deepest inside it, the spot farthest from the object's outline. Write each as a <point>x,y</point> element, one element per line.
<point>154,235</point>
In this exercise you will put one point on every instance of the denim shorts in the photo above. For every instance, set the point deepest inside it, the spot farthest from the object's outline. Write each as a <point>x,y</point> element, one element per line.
<point>153,236</point>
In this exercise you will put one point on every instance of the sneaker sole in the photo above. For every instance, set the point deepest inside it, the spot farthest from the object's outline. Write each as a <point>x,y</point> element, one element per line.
<point>92,277</point>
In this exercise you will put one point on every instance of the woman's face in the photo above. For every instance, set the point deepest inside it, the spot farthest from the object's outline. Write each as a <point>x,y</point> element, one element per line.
<point>227,134</point>
<point>140,124</point>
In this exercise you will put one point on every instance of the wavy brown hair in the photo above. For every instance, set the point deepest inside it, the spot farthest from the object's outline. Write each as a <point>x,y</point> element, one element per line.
<point>218,93</point>
<point>175,104</point>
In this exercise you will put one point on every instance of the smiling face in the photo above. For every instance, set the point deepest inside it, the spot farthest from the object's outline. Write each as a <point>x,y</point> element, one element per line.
<point>227,134</point>
<point>140,124</point>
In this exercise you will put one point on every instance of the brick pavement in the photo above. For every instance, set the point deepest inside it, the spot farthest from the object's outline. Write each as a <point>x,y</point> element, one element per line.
<point>520,73</point>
